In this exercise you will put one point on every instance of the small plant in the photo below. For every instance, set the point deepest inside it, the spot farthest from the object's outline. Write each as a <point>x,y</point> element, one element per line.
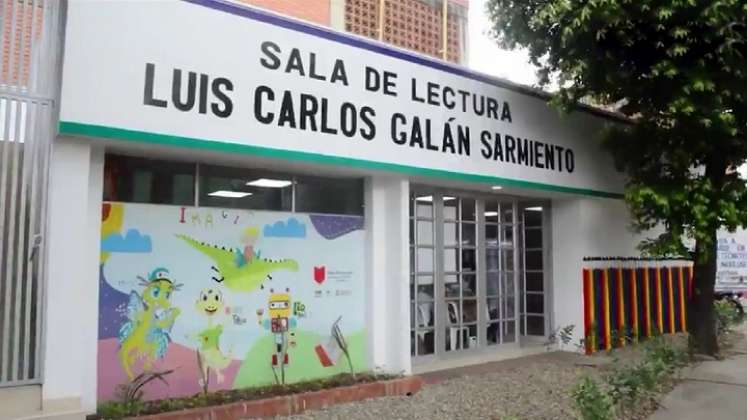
<point>343,344</point>
<point>559,336</point>
<point>131,395</point>
<point>727,316</point>
<point>592,401</point>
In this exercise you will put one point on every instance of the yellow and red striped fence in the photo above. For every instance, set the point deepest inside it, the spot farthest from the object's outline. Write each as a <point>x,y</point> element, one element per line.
<point>626,302</point>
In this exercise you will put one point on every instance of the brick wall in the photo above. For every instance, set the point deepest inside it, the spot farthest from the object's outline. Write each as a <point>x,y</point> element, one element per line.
<point>316,11</point>
<point>412,24</point>
<point>17,40</point>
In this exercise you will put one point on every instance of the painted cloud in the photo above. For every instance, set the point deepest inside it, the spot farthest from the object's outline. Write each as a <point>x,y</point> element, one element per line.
<point>291,228</point>
<point>132,242</point>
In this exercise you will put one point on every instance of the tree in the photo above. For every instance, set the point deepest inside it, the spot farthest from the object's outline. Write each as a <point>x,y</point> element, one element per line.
<point>678,68</point>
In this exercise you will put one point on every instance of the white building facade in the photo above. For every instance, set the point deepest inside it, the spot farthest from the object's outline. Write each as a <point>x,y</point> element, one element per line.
<point>231,184</point>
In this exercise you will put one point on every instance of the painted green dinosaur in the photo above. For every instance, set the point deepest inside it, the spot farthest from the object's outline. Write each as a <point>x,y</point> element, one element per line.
<point>234,271</point>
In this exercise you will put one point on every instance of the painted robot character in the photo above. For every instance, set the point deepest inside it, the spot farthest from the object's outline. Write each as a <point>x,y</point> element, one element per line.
<point>211,304</point>
<point>240,270</point>
<point>150,317</point>
<point>279,321</point>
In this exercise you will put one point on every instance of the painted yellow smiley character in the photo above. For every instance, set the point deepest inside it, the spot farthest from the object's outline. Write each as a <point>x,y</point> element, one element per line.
<point>210,302</point>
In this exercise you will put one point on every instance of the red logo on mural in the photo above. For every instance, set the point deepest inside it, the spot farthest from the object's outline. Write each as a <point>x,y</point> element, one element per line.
<point>320,274</point>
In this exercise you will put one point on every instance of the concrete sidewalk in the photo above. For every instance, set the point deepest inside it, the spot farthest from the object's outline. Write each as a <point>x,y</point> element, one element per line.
<point>711,390</point>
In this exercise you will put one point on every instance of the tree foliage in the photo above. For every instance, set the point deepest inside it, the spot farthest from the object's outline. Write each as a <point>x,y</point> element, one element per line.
<point>678,68</point>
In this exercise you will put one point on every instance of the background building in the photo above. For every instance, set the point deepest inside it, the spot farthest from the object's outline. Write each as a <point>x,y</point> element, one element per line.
<point>416,25</point>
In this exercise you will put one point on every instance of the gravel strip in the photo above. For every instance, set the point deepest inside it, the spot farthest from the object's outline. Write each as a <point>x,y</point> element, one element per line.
<point>535,387</point>
<point>539,390</point>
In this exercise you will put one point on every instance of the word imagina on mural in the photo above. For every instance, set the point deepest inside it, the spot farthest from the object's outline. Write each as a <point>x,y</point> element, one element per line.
<point>224,299</point>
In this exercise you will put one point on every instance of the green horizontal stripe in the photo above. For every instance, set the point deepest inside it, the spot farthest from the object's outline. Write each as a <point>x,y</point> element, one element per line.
<point>90,130</point>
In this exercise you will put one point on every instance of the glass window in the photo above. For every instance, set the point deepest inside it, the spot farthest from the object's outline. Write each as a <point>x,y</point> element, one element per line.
<point>140,180</point>
<point>534,260</point>
<point>425,260</point>
<point>469,260</point>
<point>468,209</point>
<point>491,235</point>
<point>424,207</point>
<point>451,208</point>
<point>533,238</point>
<point>535,304</point>
<point>534,282</point>
<point>491,211</point>
<point>425,233</point>
<point>509,331</point>
<point>329,195</point>
<point>533,216</point>
<point>244,189</point>
<point>507,212</point>
<point>469,285</point>
<point>492,283</point>
<point>469,234</point>
<point>535,325</point>
<point>492,256</point>
<point>451,233</point>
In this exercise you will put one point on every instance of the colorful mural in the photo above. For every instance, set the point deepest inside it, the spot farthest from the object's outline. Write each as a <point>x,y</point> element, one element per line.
<point>631,303</point>
<point>227,298</point>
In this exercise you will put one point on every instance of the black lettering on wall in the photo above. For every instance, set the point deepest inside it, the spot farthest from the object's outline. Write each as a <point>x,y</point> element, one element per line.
<point>463,135</point>
<point>414,90</point>
<point>148,98</point>
<point>448,98</point>
<point>270,95</point>
<point>287,114</point>
<point>368,130</point>
<point>510,147</point>
<point>523,151</point>
<point>570,160</point>
<point>560,157</point>
<point>485,150</point>
<point>295,62</point>
<point>348,119</point>
<point>202,106</point>
<point>176,90</point>
<point>399,137</point>
<point>309,109</point>
<point>326,129</point>
<point>538,157</point>
<point>506,113</point>
<point>550,156</point>
<point>271,60</point>
<point>338,73</point>
<point>498,152</point>
<point>492,108</point>
<point>224,107</point>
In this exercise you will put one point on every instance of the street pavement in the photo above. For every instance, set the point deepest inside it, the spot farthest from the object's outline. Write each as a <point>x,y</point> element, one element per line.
<point>712,389</point>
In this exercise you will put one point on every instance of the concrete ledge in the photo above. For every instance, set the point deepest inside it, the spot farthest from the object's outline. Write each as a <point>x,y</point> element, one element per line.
<point>297,403</point>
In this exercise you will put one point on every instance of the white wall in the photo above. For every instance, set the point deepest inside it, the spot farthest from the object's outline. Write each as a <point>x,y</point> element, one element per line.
<point>71,316</point>
<point>388,313</point>
<point>585,227</point>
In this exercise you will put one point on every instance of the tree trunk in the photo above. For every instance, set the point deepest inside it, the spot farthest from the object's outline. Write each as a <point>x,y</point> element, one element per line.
<point>701,315</point>
<point>701,318</point>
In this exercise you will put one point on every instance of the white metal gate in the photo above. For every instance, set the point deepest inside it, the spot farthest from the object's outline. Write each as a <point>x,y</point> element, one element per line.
<point>30,42</point>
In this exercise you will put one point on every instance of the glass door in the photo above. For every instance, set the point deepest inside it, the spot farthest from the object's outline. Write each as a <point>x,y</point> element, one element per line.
<point>422,275</point>
<point>466,262</point>
<point>459,256</point>
<point>532,284</point>
<point>500,251</point>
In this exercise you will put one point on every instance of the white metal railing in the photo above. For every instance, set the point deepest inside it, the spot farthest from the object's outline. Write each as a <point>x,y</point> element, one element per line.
<point>30,43</point>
